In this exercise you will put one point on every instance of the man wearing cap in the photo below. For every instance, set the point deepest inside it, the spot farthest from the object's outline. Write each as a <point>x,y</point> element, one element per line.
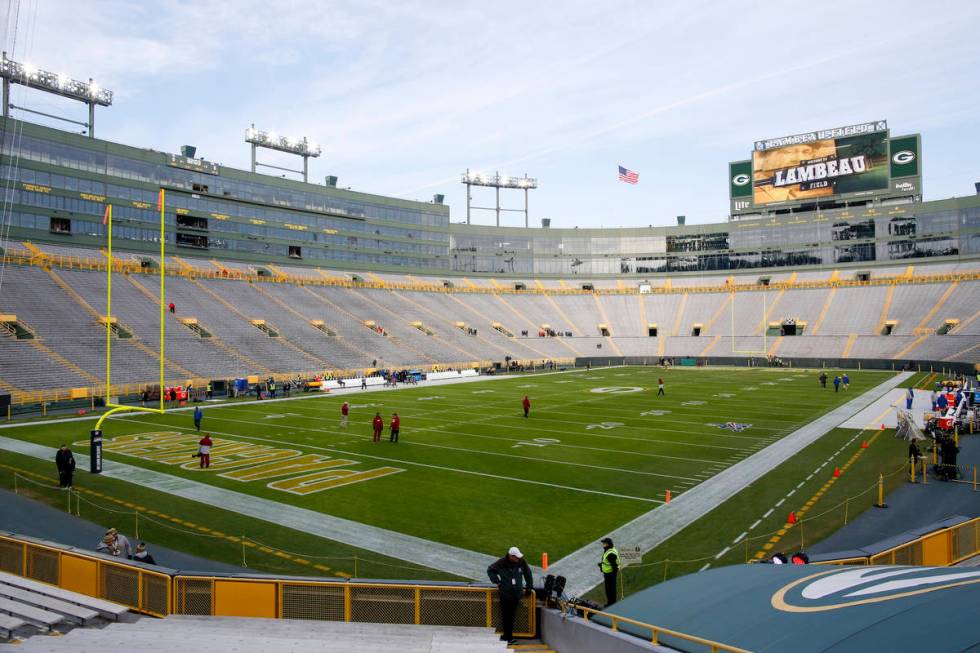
<point>609,564</point>
<point>512,576</point>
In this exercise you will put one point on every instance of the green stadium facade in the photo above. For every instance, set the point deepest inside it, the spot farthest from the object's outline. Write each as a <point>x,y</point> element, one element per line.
<point>59,183</point>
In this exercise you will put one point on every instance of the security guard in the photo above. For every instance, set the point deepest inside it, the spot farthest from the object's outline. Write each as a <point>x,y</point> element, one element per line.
<point>610,569</point>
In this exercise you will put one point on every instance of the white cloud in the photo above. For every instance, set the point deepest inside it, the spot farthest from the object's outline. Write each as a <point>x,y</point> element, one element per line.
<point>406,95</point>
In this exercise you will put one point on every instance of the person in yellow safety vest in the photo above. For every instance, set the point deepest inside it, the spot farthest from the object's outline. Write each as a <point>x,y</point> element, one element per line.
<point>609,565</point>
<point>209,391</point>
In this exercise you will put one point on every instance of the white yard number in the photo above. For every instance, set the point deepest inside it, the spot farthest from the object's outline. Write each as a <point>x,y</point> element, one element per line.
<point>536,442</point>
<point>654,413</point>
<point>695,402</point>
<point>604,425</point>
<point>616,389</point>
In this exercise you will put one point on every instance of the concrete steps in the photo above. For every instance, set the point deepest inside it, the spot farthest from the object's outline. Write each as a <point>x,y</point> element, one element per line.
<point>241,635</point>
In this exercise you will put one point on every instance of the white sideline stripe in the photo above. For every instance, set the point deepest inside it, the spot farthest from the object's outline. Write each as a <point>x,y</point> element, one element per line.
<point>781,502</point>
<point>656,526</point>
<point>723,552</point>
<point>768,512</point>
<point>435,555</point>
<point>739,538</point>
<point>755,523</point>
<point>417,464</point>
<point>706,565</point>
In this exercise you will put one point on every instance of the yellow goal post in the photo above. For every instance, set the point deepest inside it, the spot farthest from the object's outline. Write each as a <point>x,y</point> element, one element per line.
<point>113,407</point>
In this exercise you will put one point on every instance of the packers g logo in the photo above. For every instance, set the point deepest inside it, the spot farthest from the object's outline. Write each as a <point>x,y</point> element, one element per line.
<point>740,180</point>
<point>836,589</point>
<point>903,157</point>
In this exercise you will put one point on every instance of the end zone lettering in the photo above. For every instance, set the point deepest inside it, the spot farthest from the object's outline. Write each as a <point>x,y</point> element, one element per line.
<point>295,472</point>
<point>810,171</point>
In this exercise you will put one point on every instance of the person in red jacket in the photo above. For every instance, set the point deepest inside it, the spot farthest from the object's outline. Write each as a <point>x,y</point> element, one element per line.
<point>172,308</point>
<point>204,451</point>
<point>396,424</point>
<point>344,412</point>
<point>527,405</point>
<point>379,425</point>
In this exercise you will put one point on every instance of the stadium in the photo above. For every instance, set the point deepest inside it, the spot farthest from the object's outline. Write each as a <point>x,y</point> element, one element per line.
<point>711,397</point>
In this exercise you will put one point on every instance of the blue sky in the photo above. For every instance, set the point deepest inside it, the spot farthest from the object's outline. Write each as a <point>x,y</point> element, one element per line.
<point>404,96</point>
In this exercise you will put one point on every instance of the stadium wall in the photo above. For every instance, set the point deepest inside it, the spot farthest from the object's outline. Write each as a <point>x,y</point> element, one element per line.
<point>62,181</point>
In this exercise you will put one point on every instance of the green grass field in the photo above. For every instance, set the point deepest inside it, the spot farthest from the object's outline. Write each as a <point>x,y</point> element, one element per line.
<point>599,449</point>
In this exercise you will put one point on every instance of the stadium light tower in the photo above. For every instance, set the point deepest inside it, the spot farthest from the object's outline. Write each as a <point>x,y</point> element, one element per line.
<point>272,141</point>
<point>497,181</point>
<point>88,92</point>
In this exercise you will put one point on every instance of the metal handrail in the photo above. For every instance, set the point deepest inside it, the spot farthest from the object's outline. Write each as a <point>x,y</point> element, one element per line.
<point>655,631</point>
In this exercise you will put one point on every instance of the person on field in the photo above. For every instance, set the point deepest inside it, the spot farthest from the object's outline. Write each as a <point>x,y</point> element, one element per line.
<point>65,462</point>
<point>173,309</point>
<point>823,379</point>
<point>909,398</point>
<point>836,384</point>
<point>198,414</point>
<point>846,381</point>
<point>378,425</point>
<point>204,451</point>
<point>210,391</point>
<point>363,383</point>
<point>344,414</point>
<point>396,424</point>
<point>609,565</point>
<point>142,555</point>
<point>660,386</point>
<point>526,405</point>
<point>512,576</point>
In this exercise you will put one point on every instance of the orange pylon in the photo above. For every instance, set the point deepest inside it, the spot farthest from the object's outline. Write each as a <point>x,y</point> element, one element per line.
<point>864,444</point>
<point>667,495</point>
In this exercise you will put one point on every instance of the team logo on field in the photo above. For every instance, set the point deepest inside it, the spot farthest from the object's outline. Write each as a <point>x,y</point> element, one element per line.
<point>832,590</point>
<point>616,390</point>
<point>731,426</point>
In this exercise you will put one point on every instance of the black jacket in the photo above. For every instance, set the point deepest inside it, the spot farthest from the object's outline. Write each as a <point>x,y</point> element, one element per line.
<point>65,461</point>
<point>512,578</point>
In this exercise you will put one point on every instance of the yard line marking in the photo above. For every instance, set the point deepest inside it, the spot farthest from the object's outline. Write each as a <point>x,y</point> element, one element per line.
<point>706,565</point>
<point>755,523</point>
<point>428,465</point>
<point>800,485</point>
<point>739,538</point>
<point>723,552</point>
<point>781,502</point>
<point>768,512</point>
<point>501,454</point>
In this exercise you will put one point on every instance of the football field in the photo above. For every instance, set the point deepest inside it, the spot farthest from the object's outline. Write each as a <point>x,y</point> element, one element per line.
<point>599,448</point>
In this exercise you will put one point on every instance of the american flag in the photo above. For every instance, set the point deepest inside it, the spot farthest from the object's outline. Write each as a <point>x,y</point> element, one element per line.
<point>628,176</point>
